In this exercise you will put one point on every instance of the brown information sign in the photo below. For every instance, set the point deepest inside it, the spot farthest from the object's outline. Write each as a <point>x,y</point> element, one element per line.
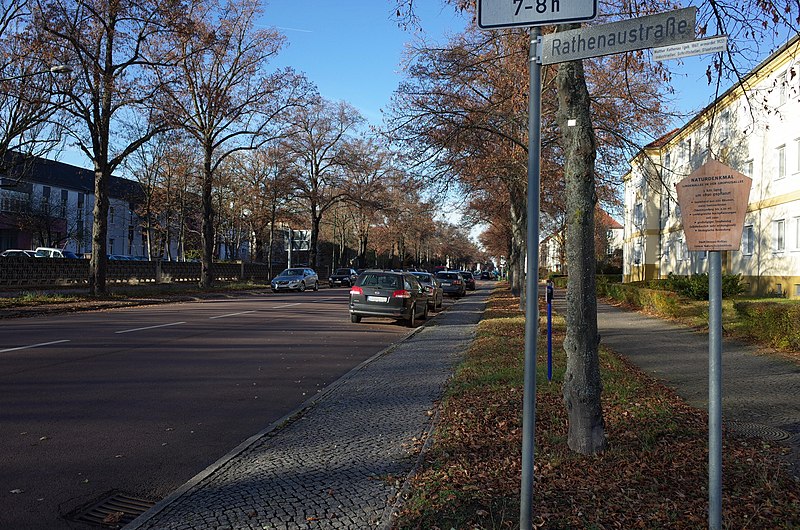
<point>713,203</point>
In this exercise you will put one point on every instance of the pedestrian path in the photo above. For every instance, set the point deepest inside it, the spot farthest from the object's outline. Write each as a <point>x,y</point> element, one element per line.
<point>339,462</point>
<point>760,392</point>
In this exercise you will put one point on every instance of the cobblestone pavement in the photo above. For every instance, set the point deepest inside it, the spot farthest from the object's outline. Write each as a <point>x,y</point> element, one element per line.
<point>760,392</point>
<point>340,462</point>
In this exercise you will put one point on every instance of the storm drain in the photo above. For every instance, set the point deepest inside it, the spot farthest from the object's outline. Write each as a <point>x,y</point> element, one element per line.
<point>757,430</point>
<point>113,511</point>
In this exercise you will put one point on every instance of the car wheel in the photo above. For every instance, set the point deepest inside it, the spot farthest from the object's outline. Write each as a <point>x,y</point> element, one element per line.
<point>316,286</point>
<point>425,312</point>
<point>302,287</point>
<point>355,319</point>
<point>412,319</point>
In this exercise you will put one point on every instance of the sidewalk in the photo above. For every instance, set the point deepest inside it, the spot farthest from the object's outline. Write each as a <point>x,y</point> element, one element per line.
<point>341,459</point>
<point>760,392</point>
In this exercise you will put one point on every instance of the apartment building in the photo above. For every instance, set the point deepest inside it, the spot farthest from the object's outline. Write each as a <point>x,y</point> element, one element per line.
<point>754,127</point>
<point>50,204</point>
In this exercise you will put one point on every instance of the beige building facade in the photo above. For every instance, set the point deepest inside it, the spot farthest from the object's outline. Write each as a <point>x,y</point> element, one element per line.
<point>755,129</point>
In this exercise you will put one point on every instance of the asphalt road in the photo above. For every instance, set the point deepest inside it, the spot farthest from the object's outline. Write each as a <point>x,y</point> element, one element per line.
<point>140,400</point>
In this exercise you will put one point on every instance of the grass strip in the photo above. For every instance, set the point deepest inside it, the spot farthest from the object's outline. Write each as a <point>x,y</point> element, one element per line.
<point>653,474</point>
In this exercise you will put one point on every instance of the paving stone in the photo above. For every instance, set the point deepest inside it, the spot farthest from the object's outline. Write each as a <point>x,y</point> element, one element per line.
<point>328,469</point>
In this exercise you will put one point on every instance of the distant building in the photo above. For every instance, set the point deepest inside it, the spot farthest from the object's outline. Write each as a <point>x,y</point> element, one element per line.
<point>50,204</point>
<point>754,128</point>
<point>608,247</point>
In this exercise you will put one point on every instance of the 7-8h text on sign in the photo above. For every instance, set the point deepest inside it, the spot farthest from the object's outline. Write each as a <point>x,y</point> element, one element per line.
<point>494,14</point>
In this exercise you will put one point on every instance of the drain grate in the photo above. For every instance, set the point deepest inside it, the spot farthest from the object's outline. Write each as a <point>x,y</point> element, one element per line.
<point>757,430</point>
<point>113,511</point>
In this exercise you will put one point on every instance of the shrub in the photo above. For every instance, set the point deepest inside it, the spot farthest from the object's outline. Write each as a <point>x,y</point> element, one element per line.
<point>696,285</point>
<point>771,322</point>
<point>660,301</point>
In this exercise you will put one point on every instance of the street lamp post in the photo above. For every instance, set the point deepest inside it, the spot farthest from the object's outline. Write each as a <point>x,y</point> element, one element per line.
<point>57,69</point>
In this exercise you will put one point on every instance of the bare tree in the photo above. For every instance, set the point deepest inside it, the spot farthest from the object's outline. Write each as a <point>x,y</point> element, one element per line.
<point>108,43</point>
<point>222,95</point>
<point>27,82</point>
<point>319,131</point>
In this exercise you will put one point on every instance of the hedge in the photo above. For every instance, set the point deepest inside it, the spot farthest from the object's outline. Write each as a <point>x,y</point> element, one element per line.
<point>776,324</point>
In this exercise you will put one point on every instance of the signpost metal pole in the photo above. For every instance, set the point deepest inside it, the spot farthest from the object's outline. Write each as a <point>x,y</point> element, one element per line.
<point>715,391</point>
<point>531,281</point>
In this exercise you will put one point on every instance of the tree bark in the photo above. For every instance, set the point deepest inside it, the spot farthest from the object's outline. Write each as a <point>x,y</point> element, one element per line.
<point>206,279</point>
<point>582,385</point>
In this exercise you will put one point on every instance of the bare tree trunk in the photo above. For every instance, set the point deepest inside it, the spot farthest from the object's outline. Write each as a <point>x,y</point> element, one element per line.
<point>582,385</point>
<point>208,223</point>
<point>98,265</point>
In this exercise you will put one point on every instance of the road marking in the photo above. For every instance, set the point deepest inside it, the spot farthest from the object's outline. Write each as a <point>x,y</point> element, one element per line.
<point>325,300</point>
<point>231,314</point>
<point>149,327</point>
<point>286,305</point>
<point>34,345</point>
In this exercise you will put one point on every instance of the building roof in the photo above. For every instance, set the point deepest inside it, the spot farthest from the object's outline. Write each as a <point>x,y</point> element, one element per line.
<point>608,221</point>
<point>60,175</point>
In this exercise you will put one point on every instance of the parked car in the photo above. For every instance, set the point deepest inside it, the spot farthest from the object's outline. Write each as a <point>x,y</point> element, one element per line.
<point>432,287</point>
<point>17,253</point>
<point>452,283</point>
<point>486,275</point>
<point>388,294</point>
<point>469,280</point>
<point>296,279</point>
<point>343,277</point>
<point>47,252</point>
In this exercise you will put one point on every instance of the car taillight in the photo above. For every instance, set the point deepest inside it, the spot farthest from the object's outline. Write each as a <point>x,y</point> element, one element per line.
<point>402,293</point>
<point>356,290</point>
<point>456,282</point>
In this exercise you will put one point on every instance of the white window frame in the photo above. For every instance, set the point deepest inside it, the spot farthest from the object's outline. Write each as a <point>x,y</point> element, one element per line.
<point>796,233</point>
<point>780,153</point>
<point>748,240</point>
<point>679,255</point>
<point>797,155</point>
<point>779,235</point>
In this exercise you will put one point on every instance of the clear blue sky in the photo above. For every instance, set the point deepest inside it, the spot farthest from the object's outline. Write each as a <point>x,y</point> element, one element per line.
<point>352,49</point>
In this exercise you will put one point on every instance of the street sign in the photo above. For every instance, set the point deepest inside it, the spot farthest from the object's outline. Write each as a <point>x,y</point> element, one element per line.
<point>651,31</point>
<point>713,203</point>
<point>496,14</point>
<point>687,49</point>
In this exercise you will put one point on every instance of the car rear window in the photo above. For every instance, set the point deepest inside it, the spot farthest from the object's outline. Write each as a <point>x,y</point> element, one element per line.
<point>386,281</point>
<point>343,272</point>
<point>447,275</point>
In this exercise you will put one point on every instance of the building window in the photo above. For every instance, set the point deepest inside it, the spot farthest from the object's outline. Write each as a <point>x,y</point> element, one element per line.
<point>797,155</point>
<point>111,246</point>
<point>781,161</point>
<point>667,160</point>
<point>638,215</point>
<point>797,233</point>
<point>797,289</point>
<point>64,197</point>
<point>679,256</point>
<point>748,168</point>
<point>637,253</point>
<point>724,125</point>
<point>748,240</point>
<point>779,231</point>
<point>782,88</point>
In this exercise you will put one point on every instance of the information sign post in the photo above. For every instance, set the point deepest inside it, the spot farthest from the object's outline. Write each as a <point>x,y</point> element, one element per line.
<point>713,203</point>
<point>497,14</point>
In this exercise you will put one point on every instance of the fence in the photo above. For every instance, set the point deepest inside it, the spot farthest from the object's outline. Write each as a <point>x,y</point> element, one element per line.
<point>50,272</point>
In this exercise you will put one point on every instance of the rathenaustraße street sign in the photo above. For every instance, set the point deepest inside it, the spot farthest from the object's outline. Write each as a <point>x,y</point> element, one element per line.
<point>663,29</point>
<point>496,14</point>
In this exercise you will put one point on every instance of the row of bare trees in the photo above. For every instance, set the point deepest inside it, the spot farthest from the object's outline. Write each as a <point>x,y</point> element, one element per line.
<point>181,95</point>
<point>463,113</point>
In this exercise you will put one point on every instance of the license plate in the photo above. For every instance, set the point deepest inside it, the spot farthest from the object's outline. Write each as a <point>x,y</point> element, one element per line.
<point>446,284</point>
<point>381,299</point>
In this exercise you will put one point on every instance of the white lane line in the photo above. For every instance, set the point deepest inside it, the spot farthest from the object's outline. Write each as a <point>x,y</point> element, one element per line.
<point>149,327</point>
<point>286,305</point>
<point>231,315</point>
<point>34,345</point>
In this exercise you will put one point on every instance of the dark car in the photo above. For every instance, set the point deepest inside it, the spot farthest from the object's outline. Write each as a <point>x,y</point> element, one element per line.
<point>432,287</point>
<point>343,277</point>
<point>469,280</point>
<point>388,294</point>
<point>295,279</point>
<point>452,283</point>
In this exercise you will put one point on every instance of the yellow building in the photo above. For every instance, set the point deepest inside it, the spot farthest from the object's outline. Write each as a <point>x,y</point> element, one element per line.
<point>754,128</point>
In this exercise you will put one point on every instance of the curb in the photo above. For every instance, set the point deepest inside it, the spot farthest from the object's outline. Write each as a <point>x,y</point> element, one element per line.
<point>275,426</point>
